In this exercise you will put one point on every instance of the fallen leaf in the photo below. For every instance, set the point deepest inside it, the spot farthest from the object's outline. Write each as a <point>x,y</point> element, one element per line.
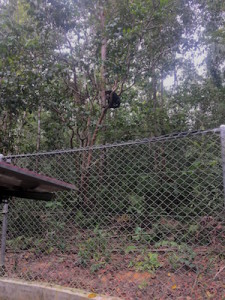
<point>209,295</point>
<point>92,295</point>
<point>174,287</point>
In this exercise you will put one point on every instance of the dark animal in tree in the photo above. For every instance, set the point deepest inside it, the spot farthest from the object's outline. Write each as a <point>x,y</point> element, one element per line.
<point>112,99</point>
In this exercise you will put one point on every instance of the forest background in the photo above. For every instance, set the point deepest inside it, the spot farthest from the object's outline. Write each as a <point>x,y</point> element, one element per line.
<point>57,58</point>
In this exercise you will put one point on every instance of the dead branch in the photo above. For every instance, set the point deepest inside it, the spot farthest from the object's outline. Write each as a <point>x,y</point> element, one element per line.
<point>220,270</point>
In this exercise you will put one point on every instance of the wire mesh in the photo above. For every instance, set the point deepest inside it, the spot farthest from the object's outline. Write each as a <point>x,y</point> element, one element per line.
<point>154,208</point>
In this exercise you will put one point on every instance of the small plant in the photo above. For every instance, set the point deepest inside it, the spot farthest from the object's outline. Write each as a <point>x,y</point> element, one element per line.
<point>182,256</point>
<point>143,285</point>
<point>20,243</point>
<point>94,248</point>
<point>141,236</point>
<point>97,266</point>
<point>182,259</point>
<point>130,249</point>
<point>174,261</point>
<point>149,263</point>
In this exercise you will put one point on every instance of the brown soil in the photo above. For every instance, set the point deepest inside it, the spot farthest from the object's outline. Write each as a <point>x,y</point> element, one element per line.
<point>116,278</point>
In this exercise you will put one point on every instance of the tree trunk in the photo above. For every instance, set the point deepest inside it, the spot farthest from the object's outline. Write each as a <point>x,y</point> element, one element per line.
<point>154,91</point>
<point>38,129</point>
<point>162,90</point>
<point>103,58</point>
<point>87,156</point>
<point>19,132</point>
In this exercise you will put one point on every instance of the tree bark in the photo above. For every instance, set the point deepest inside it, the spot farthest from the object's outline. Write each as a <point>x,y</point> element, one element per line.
<point>38,129</point>
<point>103,58</point>
<point>162,90</point>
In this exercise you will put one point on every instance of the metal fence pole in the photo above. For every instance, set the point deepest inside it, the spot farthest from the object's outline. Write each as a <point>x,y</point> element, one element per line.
<point>4,231</point>
<point>222,138</point>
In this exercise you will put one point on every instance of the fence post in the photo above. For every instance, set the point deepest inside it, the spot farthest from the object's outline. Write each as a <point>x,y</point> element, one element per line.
<point>4,232</point>
<point>222,138</point>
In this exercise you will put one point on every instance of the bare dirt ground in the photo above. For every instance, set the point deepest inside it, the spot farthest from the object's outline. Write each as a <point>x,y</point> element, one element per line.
<point>116,278</point>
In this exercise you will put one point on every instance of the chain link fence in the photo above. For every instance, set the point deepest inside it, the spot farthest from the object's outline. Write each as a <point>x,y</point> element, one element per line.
<point>147,221</point>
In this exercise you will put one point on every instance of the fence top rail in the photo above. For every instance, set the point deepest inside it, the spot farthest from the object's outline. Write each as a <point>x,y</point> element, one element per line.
<point>167,137</point>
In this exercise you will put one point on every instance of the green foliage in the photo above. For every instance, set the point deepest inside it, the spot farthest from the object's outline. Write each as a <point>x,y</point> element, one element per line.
<point>39,59</point>
<point>130,249</point>
<point>142,236</point>
<point>182,255</point>
<point>95,267</point>
<point>53,205</point>
<point>37,66</point>
<point>35,245</point>
<point>94,250</point>
<point>149,263</point>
